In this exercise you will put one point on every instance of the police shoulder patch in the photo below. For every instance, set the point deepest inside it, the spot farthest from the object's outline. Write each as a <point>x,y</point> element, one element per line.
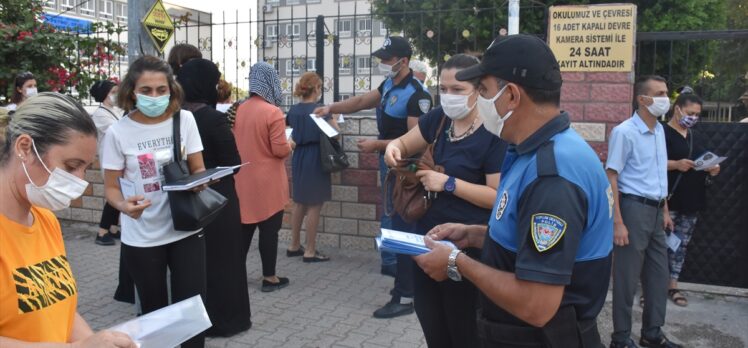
<point>424,105</point>
<point>546,230</point>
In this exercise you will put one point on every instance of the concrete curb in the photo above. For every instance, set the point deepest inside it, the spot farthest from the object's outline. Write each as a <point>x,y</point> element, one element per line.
<point>713,289</point>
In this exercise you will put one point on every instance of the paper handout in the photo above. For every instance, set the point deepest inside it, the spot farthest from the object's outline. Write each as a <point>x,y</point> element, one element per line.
<point>198,179</point>
<point>673,242</point>
<point>707,160</point>
<point>169,326</point>
<point>405,243</point>
<point>324,126</point>
<point>127,187</point>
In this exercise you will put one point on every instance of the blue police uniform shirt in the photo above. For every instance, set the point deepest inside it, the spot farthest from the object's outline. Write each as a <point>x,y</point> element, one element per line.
<point>639,157</point>
<point>407,98</point>
<point>552,221</point>
<point>469,159</point>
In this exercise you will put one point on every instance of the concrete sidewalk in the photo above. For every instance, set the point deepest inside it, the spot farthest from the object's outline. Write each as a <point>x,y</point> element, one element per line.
<point>330,304</point>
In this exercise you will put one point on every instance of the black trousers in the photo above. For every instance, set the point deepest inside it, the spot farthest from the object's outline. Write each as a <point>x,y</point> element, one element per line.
<point>268,241</point>
<point>109,217</point>
<point>185,259</point>
<point>446,310</point>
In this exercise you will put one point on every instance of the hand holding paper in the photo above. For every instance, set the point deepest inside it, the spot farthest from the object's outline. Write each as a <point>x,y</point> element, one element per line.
<point>707,160</point>
<point>199,179</point>
<point>434,263</point>
<point>405,243</point>
<point>324,126</point>
<point>169,326</point>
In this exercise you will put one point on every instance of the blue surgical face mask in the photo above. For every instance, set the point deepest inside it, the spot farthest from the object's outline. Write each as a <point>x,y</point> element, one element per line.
<point>152,106</point>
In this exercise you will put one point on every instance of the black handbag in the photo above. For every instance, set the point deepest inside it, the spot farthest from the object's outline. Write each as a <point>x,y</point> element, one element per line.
<point>331,154</point>
<point>190,211</point>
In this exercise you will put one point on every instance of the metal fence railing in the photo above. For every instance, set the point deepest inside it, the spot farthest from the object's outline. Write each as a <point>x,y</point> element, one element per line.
<point>339,47</point>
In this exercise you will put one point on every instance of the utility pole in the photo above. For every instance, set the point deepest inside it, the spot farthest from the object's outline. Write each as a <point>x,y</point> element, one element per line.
<point>138,41</point>
<point>513,17</point>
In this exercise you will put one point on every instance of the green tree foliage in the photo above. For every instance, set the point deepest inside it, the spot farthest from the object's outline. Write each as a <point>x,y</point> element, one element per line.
<point>440,28</point>
<point>60,61</point>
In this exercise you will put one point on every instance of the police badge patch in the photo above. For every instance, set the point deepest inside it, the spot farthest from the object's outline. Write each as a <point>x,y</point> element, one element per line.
<point>502,205</point>
<point>546,230</point>
<point>424,105</point>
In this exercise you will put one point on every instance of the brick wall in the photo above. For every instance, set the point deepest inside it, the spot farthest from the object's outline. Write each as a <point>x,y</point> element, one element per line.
<point>351,219</point>
<point>596,103</point>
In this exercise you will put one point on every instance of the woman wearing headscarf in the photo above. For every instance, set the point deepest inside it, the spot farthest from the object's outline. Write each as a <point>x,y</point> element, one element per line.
<point>262,185</point>
<point>228,298</point>
<point>104,92</point>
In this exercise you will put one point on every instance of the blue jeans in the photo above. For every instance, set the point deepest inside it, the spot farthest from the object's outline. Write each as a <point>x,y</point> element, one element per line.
<point>404,276</point>
<point>386,221</point>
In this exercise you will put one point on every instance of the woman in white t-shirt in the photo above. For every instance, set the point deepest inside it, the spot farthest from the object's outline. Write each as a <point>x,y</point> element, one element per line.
<point>135,149</point>
<point>105,93</point>
<point>25,87</point>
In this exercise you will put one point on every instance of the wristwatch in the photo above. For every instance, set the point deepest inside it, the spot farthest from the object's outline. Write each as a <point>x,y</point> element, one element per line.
<point>450,185</point>
<point>452,271</point>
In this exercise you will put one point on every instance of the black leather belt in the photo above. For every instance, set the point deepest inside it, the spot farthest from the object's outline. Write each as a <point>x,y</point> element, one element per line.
<point>645,200</point>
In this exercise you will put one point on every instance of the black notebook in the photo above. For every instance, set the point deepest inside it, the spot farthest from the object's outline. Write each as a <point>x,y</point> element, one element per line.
<point>201,178</point>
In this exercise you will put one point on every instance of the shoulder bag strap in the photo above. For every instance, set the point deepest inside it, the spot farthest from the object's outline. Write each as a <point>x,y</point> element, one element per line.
<point>110,112</point>
<point>432,148</point>
<point>689,134</point>
<point>177,139</point>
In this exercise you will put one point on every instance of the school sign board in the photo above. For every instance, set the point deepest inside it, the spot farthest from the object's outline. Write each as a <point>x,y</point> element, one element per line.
<point>159,25</point>
<point>593,37</point>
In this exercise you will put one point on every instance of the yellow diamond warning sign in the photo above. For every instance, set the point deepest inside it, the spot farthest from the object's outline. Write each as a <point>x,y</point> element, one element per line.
<point>159,26</point>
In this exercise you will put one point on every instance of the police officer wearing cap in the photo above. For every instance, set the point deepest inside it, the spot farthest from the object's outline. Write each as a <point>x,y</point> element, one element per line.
<point>545,264</point>
<point>399,101</point>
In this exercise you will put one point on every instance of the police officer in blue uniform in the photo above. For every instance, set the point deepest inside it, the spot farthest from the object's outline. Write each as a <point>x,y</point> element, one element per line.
<point>399,101</point>
<point>546,258</point>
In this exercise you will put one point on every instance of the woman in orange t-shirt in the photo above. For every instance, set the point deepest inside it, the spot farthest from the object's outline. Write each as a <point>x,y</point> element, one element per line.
<point>44,152</point>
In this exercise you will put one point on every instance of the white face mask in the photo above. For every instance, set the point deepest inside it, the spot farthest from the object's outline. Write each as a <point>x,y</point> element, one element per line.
<point>386,69</point>
<point>659,107</point>
<point>113,99</point>
<point>455,105</point>
<point>493,122</point>
<point>31,91</point>
<point>61,188</point>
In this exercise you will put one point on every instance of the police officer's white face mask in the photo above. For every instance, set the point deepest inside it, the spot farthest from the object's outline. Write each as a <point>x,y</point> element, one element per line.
<point>389,70</point>
<point>492,121</point>
<point>61,188</point>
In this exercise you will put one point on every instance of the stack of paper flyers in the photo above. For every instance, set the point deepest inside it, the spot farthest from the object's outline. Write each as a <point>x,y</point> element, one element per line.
<point>405,243</point>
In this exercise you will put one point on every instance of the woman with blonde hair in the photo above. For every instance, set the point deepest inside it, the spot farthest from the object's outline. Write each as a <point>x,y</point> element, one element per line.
<point>311,185</point>
<point>44,152</point>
